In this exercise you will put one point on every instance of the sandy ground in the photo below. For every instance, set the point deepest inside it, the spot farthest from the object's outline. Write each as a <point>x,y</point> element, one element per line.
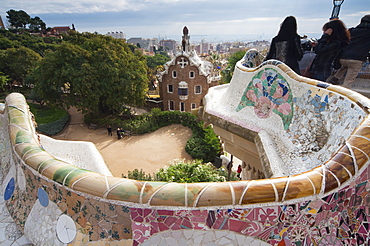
<point>148,152</point>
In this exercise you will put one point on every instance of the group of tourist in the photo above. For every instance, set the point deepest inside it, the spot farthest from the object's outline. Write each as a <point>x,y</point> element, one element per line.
<point>339,52</point>
<point>120,132</point>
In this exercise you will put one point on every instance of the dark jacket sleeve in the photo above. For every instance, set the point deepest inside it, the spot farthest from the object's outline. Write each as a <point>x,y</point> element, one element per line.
<point>324,46</point>
<point>272,51</point>
<point>298,48</point>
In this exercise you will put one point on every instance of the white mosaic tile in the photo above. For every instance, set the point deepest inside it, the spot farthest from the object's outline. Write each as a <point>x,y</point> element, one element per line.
<point>44,232</point>
<point>188,234</point>
<point>176,235</point>
<point>21,179</point>
<point>183,242</point>
<point>171,241</point>
<point>224,241</point>
<point>202,238</point>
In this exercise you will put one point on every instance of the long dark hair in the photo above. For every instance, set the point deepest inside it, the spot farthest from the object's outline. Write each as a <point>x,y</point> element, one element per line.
<point>340,31</point>
<point>288,28</point>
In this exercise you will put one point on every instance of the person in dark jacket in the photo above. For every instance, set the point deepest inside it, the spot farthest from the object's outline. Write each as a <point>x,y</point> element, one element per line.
<point>328,47</point>
<point>286,46</point>
<point>354,54</point>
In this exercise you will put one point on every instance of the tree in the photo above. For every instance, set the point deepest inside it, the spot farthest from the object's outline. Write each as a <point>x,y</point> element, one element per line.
<point>156,60</point>
<point>36,24</point>
<point>33,42</point>
<point>203,145</point>
<point>18,63</point>
<point>4,79</point>
<point>6,43</point>
<point>18,19</point>
<point>155,64</point>
<point>98,74</point>
<point>227,74</point>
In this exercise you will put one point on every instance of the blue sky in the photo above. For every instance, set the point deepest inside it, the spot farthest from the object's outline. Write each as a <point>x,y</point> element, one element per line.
<point>214,20</point>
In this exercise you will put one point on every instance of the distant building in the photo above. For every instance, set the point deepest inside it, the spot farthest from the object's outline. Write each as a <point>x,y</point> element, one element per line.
<point>117,35</point>
<point>58,30</point>
<point>204,47</point>
<point>149,44</point>
<point>168,45</point>
<point>2,26</point>
<point>136,41</point>
<point>186,79</point>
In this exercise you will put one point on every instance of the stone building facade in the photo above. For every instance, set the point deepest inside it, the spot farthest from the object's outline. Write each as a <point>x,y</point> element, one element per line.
<point>186,79</point>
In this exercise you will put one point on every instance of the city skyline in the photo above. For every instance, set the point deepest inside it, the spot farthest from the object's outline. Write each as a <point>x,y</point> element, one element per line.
<point>210,20</point>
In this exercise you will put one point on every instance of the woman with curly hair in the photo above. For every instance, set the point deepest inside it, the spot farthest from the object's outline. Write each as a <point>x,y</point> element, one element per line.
<point>328,48</point>
<point>354,55</point>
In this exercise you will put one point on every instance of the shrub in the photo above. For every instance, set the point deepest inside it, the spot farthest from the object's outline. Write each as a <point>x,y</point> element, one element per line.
<point>181,171</point>
<point>189,172</point>
<point>45,114</point>
<point>50,121</point>
<point>139,175</point>
<point>54,127</point>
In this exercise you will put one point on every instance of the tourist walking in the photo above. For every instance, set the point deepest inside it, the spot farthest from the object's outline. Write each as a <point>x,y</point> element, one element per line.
<point>354,54</point>
<point>239,171</point>
<point>286,46</point>
<point>109,129</point>
<point>328,47</point>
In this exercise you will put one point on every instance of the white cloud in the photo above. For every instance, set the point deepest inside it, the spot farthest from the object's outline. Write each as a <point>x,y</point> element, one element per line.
<point>71,6</point>
<point>150,18</point>
<point>83,6</point>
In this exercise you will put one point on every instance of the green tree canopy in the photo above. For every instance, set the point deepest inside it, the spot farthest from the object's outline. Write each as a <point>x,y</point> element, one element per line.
<point>93,73</point>
<point>155,63</point>
<point>6,43</point>
<point>36,24</point>
<point>227,74</point>
<point>18,63</point>
<point>18,19</point>
<point>40,45</point>
<point>3,80</point>
<point>156,60</point>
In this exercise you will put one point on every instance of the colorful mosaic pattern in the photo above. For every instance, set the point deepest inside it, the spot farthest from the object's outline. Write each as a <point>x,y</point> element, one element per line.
<point>329,205</point>
<point>337,219</point>
<point>269,92</point>
<point>252,58</point>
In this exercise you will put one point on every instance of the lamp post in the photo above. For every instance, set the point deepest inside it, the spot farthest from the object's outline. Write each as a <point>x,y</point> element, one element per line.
<point>336,9</point>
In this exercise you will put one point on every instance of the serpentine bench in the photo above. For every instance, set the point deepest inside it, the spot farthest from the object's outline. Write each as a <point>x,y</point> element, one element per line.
<point>312,139</point>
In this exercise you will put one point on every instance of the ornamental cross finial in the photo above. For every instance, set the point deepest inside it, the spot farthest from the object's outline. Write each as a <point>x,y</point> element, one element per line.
<point>183,62</point>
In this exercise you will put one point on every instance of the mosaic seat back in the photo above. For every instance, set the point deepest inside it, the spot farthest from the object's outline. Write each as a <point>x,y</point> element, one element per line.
<point>307,121</point>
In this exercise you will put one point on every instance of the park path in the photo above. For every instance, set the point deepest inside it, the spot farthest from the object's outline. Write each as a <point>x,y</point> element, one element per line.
<point>148,152</point>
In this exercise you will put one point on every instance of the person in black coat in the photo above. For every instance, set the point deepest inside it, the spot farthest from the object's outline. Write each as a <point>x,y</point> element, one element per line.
<point>286,46</point>
<point>119,133</point>
<point>328,47</point>
<point>354,54</point>
<point>109,129</point>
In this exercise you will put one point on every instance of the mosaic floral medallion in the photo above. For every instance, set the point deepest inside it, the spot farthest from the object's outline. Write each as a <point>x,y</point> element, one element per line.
<point>269,92</point>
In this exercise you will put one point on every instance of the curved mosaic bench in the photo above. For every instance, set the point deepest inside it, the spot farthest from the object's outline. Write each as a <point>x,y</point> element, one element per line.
<point>344,165</point>
<point>258,212</point>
